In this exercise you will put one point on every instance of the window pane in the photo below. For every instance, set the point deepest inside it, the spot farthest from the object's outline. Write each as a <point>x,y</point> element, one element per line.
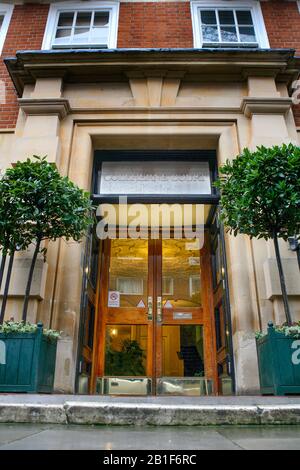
<point>63,36</point>
<point>247,34</point>
<point>226,17</point>
<point>126,350</point>
<point>228,34</point>
<point>83,18</point>
<point>101,18</point>
<point>66,19</point>
<point>81,35</point>
<point>128,272</point>
<point>1,20</point>
<point>244,17</point>
<point>208,17</point>
<point>210,34</point>
<point>99,35</point>
<point>183,354</point>
<point>181,263</point>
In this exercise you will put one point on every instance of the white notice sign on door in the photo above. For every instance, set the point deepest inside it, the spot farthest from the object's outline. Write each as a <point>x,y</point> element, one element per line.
<point>113,298</point>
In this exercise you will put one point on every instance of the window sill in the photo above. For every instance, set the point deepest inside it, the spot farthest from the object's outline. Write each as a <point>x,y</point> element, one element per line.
<point>232,45</point>
<point>80,46</point>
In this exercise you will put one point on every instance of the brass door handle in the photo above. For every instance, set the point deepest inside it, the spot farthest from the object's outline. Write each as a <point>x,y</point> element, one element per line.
<point>150,308</point>
<point>159,309</point>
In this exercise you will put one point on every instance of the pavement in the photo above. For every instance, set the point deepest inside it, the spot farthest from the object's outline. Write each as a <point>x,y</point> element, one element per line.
<point>71,437</point>
<point>149,411</point>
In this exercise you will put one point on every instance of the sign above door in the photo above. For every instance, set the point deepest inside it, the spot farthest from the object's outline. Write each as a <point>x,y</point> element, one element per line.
<point>152,177</point>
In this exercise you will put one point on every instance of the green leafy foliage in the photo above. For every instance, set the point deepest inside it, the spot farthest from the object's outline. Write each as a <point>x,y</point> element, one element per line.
<point>12,327</point>
<point>13,232</point>
<point>128,361</point>
<point>290,331</point>
<point>260,192</point>
<point>37,203</point>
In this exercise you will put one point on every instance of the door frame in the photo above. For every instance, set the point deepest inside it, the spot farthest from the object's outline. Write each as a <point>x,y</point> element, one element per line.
<point>154,342</point>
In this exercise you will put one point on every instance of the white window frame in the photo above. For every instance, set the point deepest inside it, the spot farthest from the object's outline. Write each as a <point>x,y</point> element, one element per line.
<point>298,2</point>
<point>7,11</point>
<point>253,5</point>
<point>57,8</point>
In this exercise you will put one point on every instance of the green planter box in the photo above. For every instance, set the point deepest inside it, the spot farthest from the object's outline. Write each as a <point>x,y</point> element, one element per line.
<point>278,363</point>
<point>27,362</point>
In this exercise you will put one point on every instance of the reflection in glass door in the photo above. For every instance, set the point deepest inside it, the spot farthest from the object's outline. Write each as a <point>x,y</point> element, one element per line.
<point>183,351</point>
<point>156,334</point>
<point>125,366</point>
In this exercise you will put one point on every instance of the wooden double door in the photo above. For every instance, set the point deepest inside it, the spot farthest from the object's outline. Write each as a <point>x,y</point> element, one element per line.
<point>154,329</point>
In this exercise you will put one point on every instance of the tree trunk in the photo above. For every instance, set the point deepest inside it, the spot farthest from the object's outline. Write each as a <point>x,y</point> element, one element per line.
<point>2,267</point>
<point>5,293</point>
<point>298,256</point>
<point>282,281</point>
<point>29,281</point>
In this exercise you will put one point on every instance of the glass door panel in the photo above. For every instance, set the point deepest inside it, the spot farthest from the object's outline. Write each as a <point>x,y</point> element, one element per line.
<point>128,274</point>
<point>182,352</point>
<point>181,286</point>
<point>183,361</point>
<point>126,350</point>
<point>155,332</point>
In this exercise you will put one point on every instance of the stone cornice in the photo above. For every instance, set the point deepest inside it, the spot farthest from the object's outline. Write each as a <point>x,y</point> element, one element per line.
<point>61,108</point>
<point>253,105</point>
<point>206,65</point>
<point>47,106</point>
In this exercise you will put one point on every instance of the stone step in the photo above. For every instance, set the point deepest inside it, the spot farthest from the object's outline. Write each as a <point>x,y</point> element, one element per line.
<point>153,412</point>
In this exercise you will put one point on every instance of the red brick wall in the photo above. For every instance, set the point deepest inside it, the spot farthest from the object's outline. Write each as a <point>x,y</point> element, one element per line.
<point>155,25</point>
<point>150,24</point>
<point>26,31</point>
<point>282,20</point>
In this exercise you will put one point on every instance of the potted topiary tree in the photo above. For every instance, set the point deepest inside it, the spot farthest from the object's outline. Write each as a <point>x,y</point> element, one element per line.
<point>43,206</point>
<point>260,197</point>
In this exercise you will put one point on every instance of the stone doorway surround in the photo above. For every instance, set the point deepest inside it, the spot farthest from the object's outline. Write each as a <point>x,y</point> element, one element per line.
<point>72,103</point>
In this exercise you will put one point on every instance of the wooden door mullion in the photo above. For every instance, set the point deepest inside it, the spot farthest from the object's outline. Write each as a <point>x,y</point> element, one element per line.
<point>158,326</point>
<point>151,332</point>
<point>103,306</point>
<point>210,350</point>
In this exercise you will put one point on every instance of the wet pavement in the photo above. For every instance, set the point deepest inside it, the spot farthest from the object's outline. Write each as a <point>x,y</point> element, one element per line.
<point>72,437</point>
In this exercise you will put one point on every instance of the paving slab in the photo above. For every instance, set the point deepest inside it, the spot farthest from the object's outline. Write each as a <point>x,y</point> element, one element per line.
<point>264,438</point>
<point>117,438</point>
<point>110,438</point>
<point>12,432</point>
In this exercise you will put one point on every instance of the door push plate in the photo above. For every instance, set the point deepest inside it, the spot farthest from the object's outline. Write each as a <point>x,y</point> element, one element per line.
<point>150,308</point>
<point>159,310</point>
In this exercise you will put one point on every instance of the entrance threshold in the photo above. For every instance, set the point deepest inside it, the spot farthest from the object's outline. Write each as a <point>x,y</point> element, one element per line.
<point>143,386</point>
